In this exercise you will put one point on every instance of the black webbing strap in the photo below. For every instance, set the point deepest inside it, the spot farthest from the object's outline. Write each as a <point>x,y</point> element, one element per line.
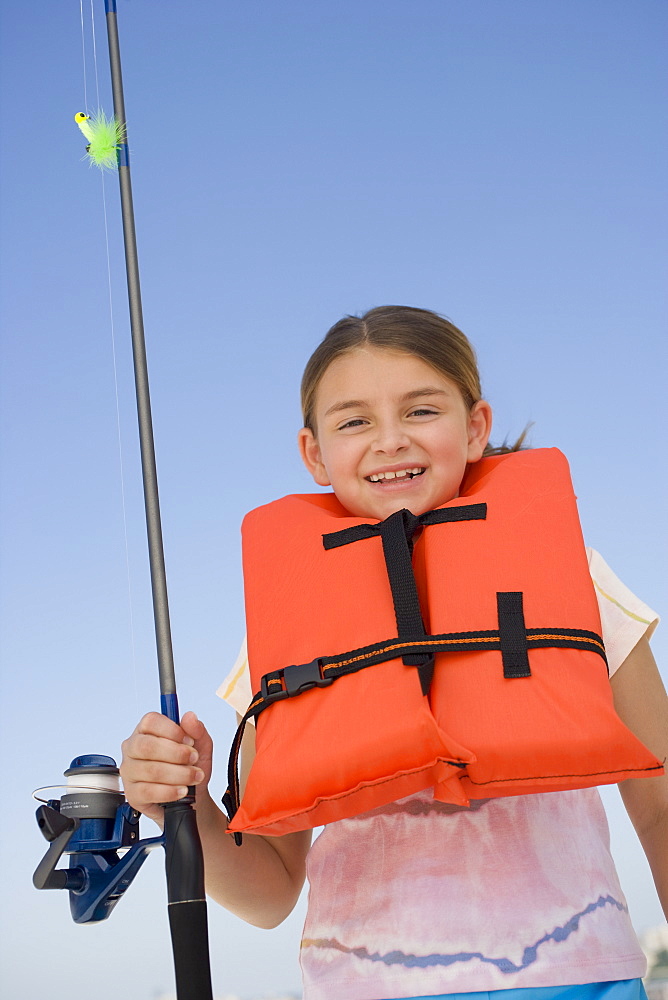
<point>442,515</point>
<point>397,533</point>
<point>513,634</point>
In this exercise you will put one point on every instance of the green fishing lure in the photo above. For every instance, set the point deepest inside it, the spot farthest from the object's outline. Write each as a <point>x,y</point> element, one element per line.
<point>104,136</point>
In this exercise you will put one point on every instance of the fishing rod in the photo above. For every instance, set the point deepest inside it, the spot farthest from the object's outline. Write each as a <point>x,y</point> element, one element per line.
<point>92,821</point>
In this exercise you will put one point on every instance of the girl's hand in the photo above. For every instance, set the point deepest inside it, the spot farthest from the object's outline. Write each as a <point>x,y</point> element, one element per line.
<point>161,759</point>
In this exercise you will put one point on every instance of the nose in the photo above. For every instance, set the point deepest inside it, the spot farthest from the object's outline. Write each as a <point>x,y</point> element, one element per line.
<point>390,438</point>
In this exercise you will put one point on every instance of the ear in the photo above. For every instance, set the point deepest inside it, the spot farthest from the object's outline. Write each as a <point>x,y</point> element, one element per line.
<point>309,449</point>
<point>480,428</point>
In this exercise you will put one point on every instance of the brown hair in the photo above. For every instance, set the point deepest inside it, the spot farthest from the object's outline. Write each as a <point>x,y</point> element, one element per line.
<point>420,332</point>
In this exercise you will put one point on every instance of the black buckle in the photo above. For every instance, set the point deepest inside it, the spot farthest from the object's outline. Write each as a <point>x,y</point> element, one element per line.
<point>303,676</point>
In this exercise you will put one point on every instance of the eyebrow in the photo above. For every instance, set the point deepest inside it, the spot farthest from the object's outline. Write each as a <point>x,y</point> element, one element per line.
<point>352,404</point>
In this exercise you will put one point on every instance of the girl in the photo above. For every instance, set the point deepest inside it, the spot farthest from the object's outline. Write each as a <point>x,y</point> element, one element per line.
<point>513,897</point>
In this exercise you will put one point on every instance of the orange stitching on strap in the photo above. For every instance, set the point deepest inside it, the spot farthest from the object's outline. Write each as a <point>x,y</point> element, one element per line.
<point>454,642</point>
<point>436,642</point>
<point>570,638</point>
<point>404,645</point>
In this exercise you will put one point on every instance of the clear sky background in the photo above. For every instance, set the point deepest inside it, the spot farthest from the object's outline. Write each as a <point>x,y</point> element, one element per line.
<point>500,161</point>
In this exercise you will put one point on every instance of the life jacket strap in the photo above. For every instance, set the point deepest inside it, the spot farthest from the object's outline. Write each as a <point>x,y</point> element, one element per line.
<point>397,534</point>
<point>513,634</point>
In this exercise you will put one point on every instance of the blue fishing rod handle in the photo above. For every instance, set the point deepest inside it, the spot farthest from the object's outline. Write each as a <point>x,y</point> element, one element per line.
<point>169,706</point>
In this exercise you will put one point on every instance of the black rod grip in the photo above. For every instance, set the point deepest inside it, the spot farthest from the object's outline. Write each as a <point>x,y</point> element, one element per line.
<point>186,902</point>
<point>183,853</point>
<point>190,944</point>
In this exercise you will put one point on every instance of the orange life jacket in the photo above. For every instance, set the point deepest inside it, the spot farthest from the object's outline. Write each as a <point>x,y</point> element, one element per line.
<point>460,649</point>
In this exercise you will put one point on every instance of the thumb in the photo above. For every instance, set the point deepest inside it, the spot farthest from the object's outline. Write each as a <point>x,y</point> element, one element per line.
<point>197,734</point>
<point>193,728</point>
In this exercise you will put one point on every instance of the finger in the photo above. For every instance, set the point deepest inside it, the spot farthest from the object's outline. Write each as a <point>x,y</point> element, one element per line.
<point>141,746</point>
<point>158,794</point>
<point>159,771</point>
<point>148,772</point>
<point>155,724</point>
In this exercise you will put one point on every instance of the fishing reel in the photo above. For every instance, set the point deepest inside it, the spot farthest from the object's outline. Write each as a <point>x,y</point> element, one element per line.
<point>92,823</point>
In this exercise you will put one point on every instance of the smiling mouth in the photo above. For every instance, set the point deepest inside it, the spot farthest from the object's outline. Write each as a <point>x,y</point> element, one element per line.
<point>400,474</point>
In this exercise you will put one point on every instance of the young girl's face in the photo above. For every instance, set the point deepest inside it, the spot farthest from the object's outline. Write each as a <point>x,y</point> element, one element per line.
<point>391,432</point>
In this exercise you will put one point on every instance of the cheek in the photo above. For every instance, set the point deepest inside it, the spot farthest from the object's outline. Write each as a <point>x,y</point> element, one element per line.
<point>339,462</point>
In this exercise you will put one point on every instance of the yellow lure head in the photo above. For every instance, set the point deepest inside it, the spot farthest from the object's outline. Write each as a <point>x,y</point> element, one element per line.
<point>104,136</point>
<point>82,121</point>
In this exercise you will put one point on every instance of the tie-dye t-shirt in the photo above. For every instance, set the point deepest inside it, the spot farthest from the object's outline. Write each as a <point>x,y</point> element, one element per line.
<point>420,897</point>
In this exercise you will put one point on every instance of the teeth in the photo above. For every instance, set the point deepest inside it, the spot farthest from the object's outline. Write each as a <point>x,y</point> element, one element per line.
<point>399,474</point>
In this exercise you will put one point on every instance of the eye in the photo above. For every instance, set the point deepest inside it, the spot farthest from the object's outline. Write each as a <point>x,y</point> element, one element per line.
<point>353,422</point>
<point>422,411</point>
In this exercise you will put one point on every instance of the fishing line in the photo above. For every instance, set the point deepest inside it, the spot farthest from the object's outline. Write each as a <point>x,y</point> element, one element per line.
<point>120,452</point>
<point>83,53</point>
<point>97,82</point>
<point>113,356</point>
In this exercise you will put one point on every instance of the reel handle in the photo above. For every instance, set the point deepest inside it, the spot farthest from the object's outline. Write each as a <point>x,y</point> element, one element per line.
<point>58,830</point>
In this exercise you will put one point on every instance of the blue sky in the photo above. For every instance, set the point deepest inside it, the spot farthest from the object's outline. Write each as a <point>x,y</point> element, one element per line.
<point>503,163</point>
